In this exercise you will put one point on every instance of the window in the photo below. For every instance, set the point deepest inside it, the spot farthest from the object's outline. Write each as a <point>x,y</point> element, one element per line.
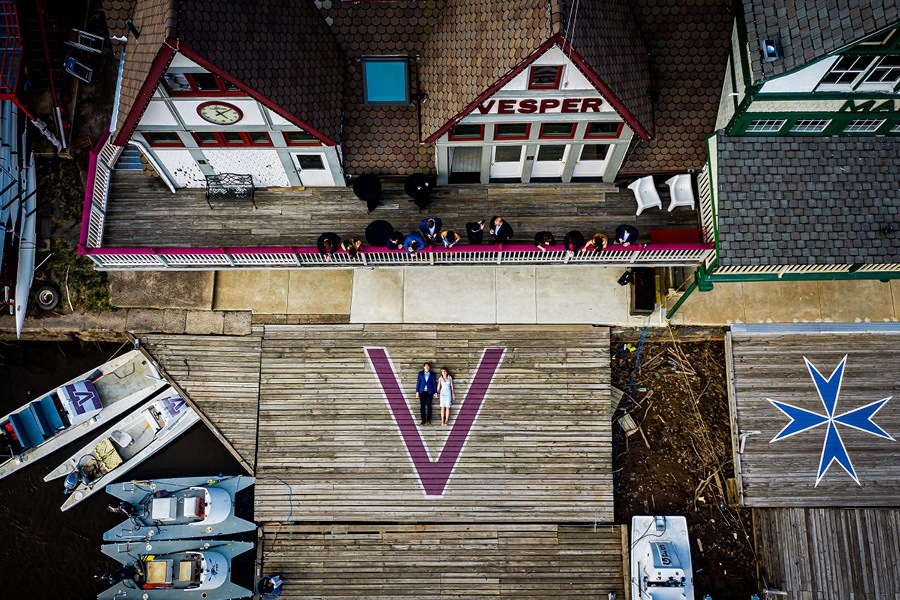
<point>512,131</point>
<point>544,78</point>
<point>765,126</point>
<point>300,138</point>
<point>594,151</point>
<point>551,153</point>
<point>603,130</point>
<point>896,128</point>
<point>467,131</point>
<point>809,125</point>
<point>507,153</point>
<point>308,162</point>
<point>198,84</point>
<point>847,71</point>
<point>162,139</point>
<point>558,130</point>
<point>386,81</point>
<point>882,39</point>
<point>863,126</point>
<point>232,138</point>
<point>886,73</point>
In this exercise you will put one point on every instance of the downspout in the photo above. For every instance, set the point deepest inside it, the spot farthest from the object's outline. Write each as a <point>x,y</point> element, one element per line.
<point>113,122</point>
<point>159,170</point>
<point>701,281</point>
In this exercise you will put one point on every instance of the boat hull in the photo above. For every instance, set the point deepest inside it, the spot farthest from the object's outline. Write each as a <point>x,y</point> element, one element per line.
<point>126,553</point>
<point>132,380</point>
<point>137,492</point>
<point>27,245</point>
<point>171,415</point>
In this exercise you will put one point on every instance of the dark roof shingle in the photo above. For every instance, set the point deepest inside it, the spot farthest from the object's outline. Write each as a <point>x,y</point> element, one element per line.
<point>811,29</point>
<point>806,201</point>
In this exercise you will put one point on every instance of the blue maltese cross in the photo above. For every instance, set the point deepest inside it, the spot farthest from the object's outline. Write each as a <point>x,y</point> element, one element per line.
<point>804,420</point>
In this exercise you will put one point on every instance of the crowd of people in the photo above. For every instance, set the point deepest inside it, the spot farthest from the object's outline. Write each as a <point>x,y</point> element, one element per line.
<point>431,233</point>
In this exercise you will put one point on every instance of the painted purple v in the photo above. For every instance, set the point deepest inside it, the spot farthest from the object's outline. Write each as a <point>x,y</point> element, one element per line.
<point>434,475</point>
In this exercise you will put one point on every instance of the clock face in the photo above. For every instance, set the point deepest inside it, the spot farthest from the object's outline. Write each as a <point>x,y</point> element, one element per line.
<point>219,113</point>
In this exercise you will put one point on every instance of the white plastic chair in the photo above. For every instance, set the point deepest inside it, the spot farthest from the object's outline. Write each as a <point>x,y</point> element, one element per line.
<point>680,191</point>
<point>645,193</point>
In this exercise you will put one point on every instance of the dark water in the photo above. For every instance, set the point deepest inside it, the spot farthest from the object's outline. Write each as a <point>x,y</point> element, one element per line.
<point>45,553</point>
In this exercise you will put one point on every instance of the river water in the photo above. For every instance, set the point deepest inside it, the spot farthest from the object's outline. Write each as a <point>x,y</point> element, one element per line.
<point>46,553</point>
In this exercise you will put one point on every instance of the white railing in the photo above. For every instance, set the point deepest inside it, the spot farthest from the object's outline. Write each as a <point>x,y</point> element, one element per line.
<point>237,258</point>
<point>99,192</point>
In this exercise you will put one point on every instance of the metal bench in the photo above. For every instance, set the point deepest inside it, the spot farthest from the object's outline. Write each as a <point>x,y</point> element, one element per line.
<point>229,187</point>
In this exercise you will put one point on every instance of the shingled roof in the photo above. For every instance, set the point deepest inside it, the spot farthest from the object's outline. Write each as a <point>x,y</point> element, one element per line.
<point>811,29</point>
<point>478,42</point>
<point>282,50</point>
<point>793,201</point>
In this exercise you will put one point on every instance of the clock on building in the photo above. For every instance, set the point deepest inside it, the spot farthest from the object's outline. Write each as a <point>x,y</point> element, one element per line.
<point>220,113</point>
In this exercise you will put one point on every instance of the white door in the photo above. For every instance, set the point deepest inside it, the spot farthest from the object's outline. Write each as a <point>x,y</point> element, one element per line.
<point>550,160</point>
<point>507,162</point>
<point>593,160</point>
<point>313,169</point>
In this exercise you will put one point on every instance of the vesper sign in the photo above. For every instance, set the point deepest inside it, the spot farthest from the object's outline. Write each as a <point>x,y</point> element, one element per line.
<point>527,106</point>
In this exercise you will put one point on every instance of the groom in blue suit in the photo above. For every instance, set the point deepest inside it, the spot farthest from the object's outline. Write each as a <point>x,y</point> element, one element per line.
<point>426,386</point>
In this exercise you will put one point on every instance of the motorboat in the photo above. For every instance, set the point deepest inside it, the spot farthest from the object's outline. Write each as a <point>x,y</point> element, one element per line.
<point>74,409</point>
<point>178,509</point>
<point>183,569</point>
<point>661,559</point>
<point>124,446</point>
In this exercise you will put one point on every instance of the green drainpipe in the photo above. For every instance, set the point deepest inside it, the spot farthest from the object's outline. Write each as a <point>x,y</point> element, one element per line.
<point>701,281</point>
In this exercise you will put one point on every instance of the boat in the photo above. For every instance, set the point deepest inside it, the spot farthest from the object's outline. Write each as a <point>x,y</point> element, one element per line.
<point>74,409</point>
<point>9,187</point>
<point>123,446</point>
<point>27,244</point>
<point>661,559</point>
<point>183,569</point>
<point>178,509</point>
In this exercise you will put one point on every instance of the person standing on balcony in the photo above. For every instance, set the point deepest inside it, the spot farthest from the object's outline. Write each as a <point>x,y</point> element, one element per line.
<point>395,242</point>
<point>501,230</point>
<point>450,238</point>
<point>431,229</point>
<point>413,242</point>
<point>626,234</point>
<point>573,242</point>
<point>544,240</point>
<point>352,246</point>
<point>327,244</point>
<point>446,394</point>
<point>595,243</point>
<point>426,386</point>
<point>475,231</point>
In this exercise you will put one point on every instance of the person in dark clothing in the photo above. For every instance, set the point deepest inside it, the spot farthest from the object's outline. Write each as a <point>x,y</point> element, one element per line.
<point>327,244</point>
<point>475,231</point>
<point>413,242</point>
<point>626,234</point>
<point>426,386</point>
<point>501,230</point>
<point>543,240</point>
<point>573,242</point>
<point>395,241</point>
<point>430,229</point>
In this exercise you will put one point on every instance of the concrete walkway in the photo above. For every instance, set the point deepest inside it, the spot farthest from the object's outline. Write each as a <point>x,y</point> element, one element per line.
<point>536,295</point>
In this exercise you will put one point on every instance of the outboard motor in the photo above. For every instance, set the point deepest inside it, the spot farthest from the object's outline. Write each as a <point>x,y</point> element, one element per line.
<point>74,478</point>
<point>126,572</point>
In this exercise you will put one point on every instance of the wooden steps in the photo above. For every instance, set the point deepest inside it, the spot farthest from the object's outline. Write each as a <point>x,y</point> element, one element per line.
<point>427,561</point>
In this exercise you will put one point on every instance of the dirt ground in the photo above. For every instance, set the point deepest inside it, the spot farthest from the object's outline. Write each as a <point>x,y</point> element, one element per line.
<point>680,459</point>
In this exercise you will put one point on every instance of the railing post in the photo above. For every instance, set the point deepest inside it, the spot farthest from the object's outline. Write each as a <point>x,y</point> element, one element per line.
<point>162,260</point>
<point>362,256</point>
<point>228,258</point>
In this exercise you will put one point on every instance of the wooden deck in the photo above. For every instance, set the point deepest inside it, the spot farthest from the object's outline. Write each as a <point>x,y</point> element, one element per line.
<point>220,375</point>
<point>334,448</point>
<point>829,553</point>
<point>783,473</point>
<point>142,212</point>
<point>431,561</point>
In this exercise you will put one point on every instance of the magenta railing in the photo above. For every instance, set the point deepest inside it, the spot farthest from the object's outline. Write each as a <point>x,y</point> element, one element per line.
<point>89,192</point>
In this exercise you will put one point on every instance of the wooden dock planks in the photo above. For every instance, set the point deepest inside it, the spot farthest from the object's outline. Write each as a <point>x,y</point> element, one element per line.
<point>220,374</point>
<point>427,561</point>
<point>142,212</point>
<point>813,553</point>
<point>783,473</point>
<point>539,450</point>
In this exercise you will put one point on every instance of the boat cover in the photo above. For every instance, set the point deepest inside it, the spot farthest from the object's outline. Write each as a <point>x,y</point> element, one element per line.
<point>81,400</point>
